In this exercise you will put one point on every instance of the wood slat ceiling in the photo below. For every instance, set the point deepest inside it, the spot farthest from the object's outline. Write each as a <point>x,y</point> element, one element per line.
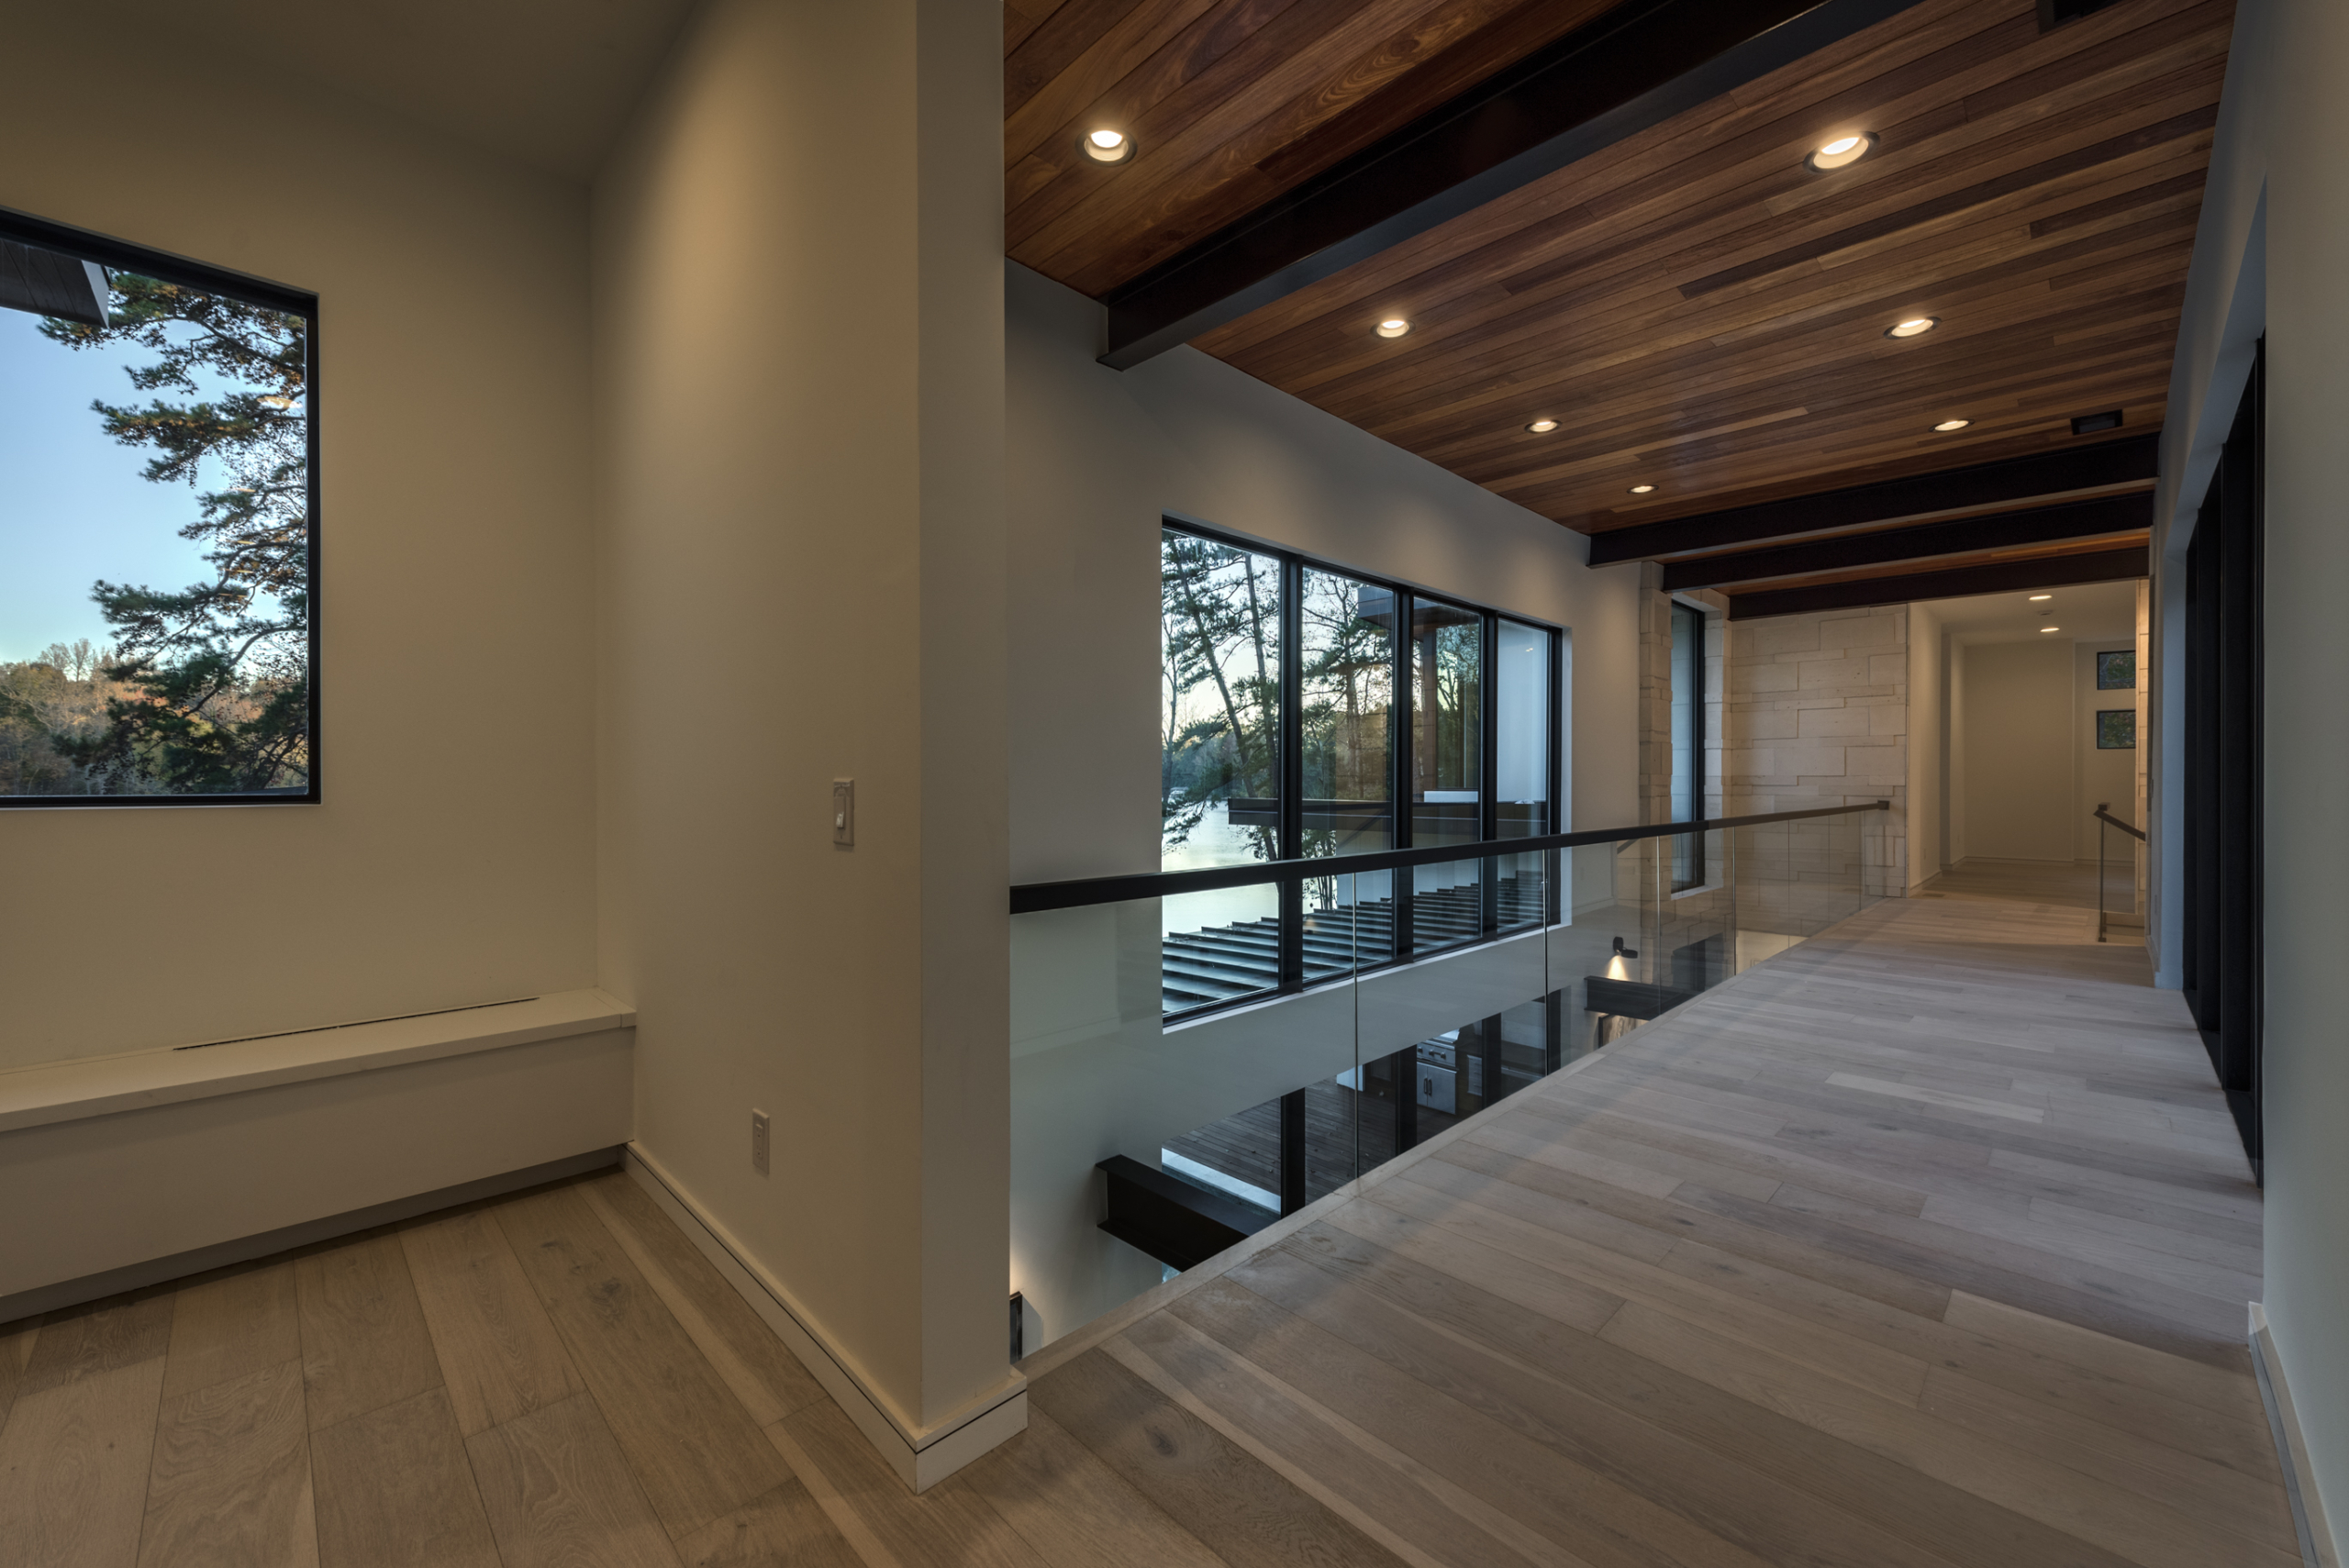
<point>1230,103</point>
<point>1701,312</point>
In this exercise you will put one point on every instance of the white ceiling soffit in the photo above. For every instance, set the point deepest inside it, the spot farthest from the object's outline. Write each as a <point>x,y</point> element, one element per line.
<point>2094,612</point>
<point>545,82</point>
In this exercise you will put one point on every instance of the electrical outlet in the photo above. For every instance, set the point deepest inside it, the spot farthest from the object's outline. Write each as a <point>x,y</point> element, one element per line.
<point>759,1141</point>
<point>844,811</point>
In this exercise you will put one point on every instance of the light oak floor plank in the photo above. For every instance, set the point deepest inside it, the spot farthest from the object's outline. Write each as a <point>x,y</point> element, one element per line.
<point>686,1438</point>
<point>229,1486</point>
<point>394,1490</point>
<point>1073,1509</point>
<point>236,1323</point>
<point>756,1365</point>
<point>15,1350</point>
<point>559,1494</point>
<point>786,1529</point>
<point>499,1356</point>
<point>73,1461</point>
<point>364,1344</point>
<point>951,1524</point>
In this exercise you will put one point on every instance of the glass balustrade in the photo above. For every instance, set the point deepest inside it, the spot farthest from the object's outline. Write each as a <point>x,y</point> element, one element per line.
<point>1189,1067</point>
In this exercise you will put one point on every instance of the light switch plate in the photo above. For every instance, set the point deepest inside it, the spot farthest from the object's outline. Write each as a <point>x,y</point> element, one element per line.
<point>844,811</point>
<point>759,1141</point>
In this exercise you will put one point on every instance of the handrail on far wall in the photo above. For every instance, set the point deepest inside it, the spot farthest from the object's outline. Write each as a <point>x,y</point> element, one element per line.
<point>1034,897</point>
<point>2105,811</point>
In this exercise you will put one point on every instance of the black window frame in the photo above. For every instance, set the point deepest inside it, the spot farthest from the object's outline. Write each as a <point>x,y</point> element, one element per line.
<point>2222,943</point>
<point>1399,759</point>
<point>119,255</point>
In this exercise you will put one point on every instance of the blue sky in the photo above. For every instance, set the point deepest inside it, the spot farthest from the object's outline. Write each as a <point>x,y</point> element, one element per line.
<point>75,506</point>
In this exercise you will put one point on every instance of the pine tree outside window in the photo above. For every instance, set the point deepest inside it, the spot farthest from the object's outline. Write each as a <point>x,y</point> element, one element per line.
<point>159,509</point>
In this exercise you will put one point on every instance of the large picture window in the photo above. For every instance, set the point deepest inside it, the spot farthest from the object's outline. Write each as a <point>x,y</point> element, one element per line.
<point>1309,711</point>
<point>158,515</point>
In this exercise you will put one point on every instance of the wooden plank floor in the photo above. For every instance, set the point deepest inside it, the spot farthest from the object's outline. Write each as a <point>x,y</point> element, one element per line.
<point>1923,1244</point>
<point>2066,884</point>
<point>1926,1242</point>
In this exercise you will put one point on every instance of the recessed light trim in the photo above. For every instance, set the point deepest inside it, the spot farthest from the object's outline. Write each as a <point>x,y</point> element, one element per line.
<point>1915,327</point>
<point>1107,146</point>
<point>1393,327</point>
<point>1642,489</point>
<point>1840,152</point>
<point>2051,629</point>
<point>1542,427</point>
<point>1946,425</point>
<point>2041,598</point>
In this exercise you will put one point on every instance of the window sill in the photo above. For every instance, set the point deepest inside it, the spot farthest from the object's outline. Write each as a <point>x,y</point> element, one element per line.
<point>73,1091</point>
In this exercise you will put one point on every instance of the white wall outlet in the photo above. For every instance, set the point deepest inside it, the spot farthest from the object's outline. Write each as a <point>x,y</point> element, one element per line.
<point>759,1141</point>
<point>844,811</point>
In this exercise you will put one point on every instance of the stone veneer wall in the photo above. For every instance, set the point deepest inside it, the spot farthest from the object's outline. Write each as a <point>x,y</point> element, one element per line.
<point>1817,713</point>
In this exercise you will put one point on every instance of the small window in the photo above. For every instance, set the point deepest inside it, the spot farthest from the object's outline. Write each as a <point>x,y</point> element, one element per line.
<point>159,519</point>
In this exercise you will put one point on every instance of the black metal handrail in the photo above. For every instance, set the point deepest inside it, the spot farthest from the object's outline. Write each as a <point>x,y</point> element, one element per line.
<point>1034,897</point>
<point>2103,814</point>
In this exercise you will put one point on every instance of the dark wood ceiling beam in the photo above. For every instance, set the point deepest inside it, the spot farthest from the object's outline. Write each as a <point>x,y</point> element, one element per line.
<point>1638,66</point>
<point>2016,481</point>
<point>1962,536</point>
<point>1956,582</point>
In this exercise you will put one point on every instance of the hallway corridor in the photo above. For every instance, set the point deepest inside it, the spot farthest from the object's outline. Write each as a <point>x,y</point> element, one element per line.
<point>1924,1244</point>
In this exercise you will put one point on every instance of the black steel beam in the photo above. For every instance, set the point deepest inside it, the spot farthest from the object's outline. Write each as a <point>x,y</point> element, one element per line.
<point>2012,482</point>
<point>1178,1224</point>
<point>1635,67</point>
<point>1840,553</point>
<point>1957,582</point>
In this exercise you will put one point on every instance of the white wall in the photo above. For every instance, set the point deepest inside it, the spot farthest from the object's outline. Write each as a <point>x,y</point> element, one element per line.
<point>1953,837</point>
<point>2107,777</point>
<point>1928,744</point>
<point>2267,260</point>
<point>446,864</point>
<point>1096,458</point>
<point>798,332</point>
<point>2020,753</point>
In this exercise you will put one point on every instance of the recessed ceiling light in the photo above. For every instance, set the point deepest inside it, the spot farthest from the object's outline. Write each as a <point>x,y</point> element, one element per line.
<point>1946,425</point>
<point>1542,427</point>
<point>2051,629</point>
<point>1842,152</point>
<point>1107,146</point>
<point>2041,598</point>
<point>1393,327</point>
<point>1914,327</point>
<point>1641,489</point>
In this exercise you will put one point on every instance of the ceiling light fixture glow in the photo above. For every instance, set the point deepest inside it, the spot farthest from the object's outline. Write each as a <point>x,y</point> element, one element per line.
<point>1542,427</point>
<point>1393,327</point>
<point>1641,489</point>
<point>1946,425</point>
<point>2051,629</point>
<point>1916,326</point>
<point>2041,598</point>
<point>1842,152</point>
<point>1107,146</point>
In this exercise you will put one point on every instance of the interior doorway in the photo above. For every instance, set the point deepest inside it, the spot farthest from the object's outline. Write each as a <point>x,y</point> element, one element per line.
<point>2027,715</point>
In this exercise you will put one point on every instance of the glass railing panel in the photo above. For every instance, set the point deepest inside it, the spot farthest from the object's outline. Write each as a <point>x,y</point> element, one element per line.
<point>1100,1072</point>
<point>1765,918</point>
<point>1699,928</point>
<point>1235,1054</point>
<point>1217,948</point>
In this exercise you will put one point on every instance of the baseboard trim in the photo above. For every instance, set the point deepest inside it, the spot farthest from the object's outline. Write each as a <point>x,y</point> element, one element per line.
<point>922,1455</point>
<point>245,1249</point>
<point>2317,1549</point>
